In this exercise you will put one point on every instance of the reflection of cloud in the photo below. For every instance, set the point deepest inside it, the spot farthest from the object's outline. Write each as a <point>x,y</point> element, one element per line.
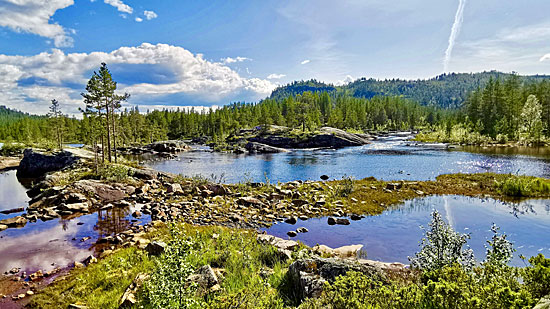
<point>38,250</point>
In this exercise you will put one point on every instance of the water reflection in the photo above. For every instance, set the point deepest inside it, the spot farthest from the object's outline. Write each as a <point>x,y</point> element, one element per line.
<point>395,234</point>
<point>12,193</point>
<point>46,245</point>
<point>388,159</point>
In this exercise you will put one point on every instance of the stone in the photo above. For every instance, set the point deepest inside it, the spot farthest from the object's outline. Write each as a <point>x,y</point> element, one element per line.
<point>348,251</point>
<point>104,192</point>
<point>331,221</point>
<point>29,293</point>
<point>324,177</point>
<point>35,164</point>
<point>299,202</point>
<point>323,250</point>
<point>37,275</point>
<point>544,303</point>
<point>155,248</point>
<point>77,306</point>
<point>302,230</point>
<point>254,147</point>
<point>90,260</point>
<point>136,214</point>
<point>291,220</point>
<point>394,186</point>
<point>174,188</point>
<point>342,221</point>
<point>205,278</point>
<point>308,276</point>
<point>249,201</point>
<point>303,217</point>
<point>3,227</point>
<point>18,221</point>
<point>292,233</point>
<point>78,265</point>
<point>355,217</point>
<point>128,299</point>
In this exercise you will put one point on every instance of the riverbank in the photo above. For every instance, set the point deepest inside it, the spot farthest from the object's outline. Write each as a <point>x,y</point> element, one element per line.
<point>169,198</point>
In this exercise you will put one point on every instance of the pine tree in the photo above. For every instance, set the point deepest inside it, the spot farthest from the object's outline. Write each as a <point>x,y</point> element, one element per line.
<point>57,120</point>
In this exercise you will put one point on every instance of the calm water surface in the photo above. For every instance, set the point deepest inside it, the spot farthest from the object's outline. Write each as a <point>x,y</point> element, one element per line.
<point>391,158</point>
<point>395,234</point>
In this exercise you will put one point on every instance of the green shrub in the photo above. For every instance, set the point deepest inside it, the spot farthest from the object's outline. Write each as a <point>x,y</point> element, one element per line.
<point>537,277</point>
<point>114,173</point>
<point>442,247</point>
<point>345,187</point>
<point>11,149</point>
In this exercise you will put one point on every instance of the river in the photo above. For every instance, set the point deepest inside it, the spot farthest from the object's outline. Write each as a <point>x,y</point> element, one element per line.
<point>56,242</point>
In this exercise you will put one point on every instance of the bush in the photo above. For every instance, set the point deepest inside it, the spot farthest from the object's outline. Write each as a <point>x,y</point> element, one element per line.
<point>345,186</point>
<point>114,173</point>
<point>537,277</point>
<point>11,149</point>
<point>442,247</point>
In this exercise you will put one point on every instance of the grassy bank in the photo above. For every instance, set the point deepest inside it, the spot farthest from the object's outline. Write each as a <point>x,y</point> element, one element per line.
<point>253,275</point>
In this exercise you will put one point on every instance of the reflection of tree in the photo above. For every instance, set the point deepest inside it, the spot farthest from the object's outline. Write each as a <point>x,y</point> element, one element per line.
<point>305,160</point>
<point>64,224</point>
<point>112,221</point>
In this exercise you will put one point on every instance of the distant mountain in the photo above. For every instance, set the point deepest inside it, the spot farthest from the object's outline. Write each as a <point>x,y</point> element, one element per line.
<point>8,115</point>
<point>446,90</point>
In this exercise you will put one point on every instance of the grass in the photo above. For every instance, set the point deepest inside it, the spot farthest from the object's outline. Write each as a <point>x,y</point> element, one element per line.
<point>242,259</point>
<point>99,285</point>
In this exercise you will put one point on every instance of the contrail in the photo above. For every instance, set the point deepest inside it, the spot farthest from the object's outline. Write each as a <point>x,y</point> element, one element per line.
<point>454,33</point>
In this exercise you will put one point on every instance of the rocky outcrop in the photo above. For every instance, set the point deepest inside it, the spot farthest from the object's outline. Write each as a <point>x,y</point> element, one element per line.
<point>254,147</point>
<point>326,138</point>
<point>104,192</point>
<point>162,147</point>
<point>310,275</point>
<point>544,303</point>
<point>36,164</point>
<point>9,163</point>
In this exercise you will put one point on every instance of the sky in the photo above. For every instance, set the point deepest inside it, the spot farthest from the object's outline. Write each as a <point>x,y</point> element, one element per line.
<point>178,53</point>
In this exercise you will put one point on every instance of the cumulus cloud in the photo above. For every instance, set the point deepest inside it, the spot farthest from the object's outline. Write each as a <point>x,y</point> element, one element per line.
<point>30,82</point>
<point>275,76</point>
<point>34,16</point>
<point>233,60</point>
<point>305,61</point>
<point>120,6</point>
<point>139,19</point>
<point>345,81</point>
<point>544,58</point>
<point>150,15</point>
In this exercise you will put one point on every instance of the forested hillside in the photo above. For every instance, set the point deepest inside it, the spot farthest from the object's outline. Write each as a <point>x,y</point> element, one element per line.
<point>446,90</point>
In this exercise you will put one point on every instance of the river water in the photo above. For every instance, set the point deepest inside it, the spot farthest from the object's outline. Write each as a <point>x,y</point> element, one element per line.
<point>57,242</point>
<point>395,234</point>
<point>392,158</point>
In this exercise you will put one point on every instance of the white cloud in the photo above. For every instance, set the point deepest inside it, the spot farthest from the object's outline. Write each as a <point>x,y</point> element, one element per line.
<point>275,76</point>
<point>545,57</point>
<point>511,49</point>
<point>34,16</point>
<point>233,60</point>
<point>120,6</point>
<point>345,81</point>
<point>150,15</point>
<point>139,19</point>
<point>28,83</point>
<point>305,61</point>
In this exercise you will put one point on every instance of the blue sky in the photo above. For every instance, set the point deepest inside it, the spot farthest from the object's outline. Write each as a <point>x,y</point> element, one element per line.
<point>209,53</point>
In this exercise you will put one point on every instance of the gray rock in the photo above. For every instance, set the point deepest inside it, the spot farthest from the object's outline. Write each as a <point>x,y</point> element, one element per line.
<point>394,186</point>
<point>309,275</point>
<point>544,303</point>
<point>342,221</point>
<point>18,221</point>
<point>205,278</point>
<point>3,227</point>
<point>254,147</point>
<point>35,164</point>
<point>292,233</point>
<point>331,221</point>
<point>302,230</point>
<point>291,220</point>
<point>174,188</point>
<point>105,192</point>
<point>155,248</point>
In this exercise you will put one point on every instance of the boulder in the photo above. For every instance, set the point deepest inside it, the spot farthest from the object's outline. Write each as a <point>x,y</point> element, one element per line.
<point>128,299</point>
<point>302,230</point>
<point>155,248</point>
<point>348,251</point>
<point>331,221</point>
<point>254,147</point>
<point>394,186</point>
<point>18,221</point>
<point>174,188</point>
<point>103,191</point>
<point>342,221</point>
<point>3,227</point>
<point>309,275</point>
<point>205,278</point>
<point>249,201</point>
<point>544,303</point>
<point>35,164</point>
<point>292,234</point>
<point>291,220</point>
